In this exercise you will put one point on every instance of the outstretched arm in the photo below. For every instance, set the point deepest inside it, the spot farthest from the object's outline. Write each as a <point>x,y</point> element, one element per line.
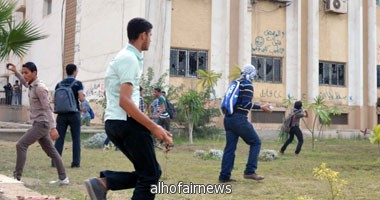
<point>12,68</point>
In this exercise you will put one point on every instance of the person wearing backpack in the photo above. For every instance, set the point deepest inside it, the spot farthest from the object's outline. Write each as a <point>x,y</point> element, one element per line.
<point>43,127</point>
<point>69,112</point>
<point>160,115</point>
<point>298,113</point>
<point>236,125</point>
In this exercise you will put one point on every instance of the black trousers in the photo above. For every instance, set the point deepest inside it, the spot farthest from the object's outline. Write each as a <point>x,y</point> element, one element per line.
<point>295,130</point>
<point>136,142</point>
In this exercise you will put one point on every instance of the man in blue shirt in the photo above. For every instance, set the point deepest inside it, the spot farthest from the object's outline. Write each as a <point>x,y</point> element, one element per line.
<point>72,119</point>
<point>126,126</point>
<point>237,125</point>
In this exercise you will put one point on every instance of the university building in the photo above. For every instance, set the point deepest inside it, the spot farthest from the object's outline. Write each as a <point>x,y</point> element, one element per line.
<point>301,48</point>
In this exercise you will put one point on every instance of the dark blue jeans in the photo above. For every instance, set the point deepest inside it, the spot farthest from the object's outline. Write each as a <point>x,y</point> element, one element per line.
<point>74,121</point>
<point>295,130</point>
<point>136,142</point>
<point>237,126</point>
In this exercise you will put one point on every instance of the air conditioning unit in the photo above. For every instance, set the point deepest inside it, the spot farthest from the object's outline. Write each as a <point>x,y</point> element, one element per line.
<point>337,6</point>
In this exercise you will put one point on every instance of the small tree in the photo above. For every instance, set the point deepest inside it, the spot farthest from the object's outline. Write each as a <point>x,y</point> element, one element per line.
<point>375,138</point>
<point>191,108</point>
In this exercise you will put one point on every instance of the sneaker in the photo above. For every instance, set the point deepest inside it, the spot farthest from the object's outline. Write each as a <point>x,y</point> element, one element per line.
<point>253,176</point>
<point>60,182</point>
<point>227,180</point>
<point>95,190</point>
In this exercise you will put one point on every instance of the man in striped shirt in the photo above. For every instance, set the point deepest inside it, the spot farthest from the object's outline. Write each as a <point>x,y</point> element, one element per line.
<point>237,125</point>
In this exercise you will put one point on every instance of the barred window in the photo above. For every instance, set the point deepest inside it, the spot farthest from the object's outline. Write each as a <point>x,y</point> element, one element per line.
<point>331,73</point>
<point>186,62</point>
<point>268,69</point>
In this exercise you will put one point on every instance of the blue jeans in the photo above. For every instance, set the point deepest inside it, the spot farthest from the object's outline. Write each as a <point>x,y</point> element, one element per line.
<point>136,143</point>
<point>237,126</point>
<point>74,121</point>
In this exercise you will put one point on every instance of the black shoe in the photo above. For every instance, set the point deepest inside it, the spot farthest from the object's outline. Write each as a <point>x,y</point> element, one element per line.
<point>75,166</point>
<point>227,180</point>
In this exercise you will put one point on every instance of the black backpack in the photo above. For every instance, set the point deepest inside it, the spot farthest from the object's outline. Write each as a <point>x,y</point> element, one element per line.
<point>64,99</point>
<point>171,109</point>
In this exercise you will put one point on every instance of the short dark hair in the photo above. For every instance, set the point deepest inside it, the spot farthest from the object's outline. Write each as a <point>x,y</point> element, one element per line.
<point>157,89</point>
<point>298,105</point>
<point>141,89</point>
<point>31,66</point>
<point>16,81</point>
<point>136,26</point>
<point>70,69</point>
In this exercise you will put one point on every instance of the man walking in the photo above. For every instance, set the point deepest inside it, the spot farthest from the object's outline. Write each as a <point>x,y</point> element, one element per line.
<point>237,125</point>
<point>126,126</point>
<point>43,123</point>
<point>73,118</point>
<point>161,115</point>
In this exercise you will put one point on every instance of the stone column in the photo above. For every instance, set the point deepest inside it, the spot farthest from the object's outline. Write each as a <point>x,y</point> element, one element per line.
<point>220,45</point>
<point>313,50</point>
<point>371,64</point>
<point>355,53</point>
<point>293,49</point>
<point>158,12</point>
<point>245,33</point>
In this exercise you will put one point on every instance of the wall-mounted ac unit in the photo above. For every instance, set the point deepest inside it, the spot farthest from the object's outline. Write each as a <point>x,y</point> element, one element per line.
<point>337,6</point>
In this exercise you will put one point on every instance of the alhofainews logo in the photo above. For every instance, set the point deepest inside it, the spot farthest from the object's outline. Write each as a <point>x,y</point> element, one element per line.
<point>190,188</point>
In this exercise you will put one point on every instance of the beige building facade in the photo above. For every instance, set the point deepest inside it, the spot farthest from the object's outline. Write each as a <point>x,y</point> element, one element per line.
<point>301,48</point>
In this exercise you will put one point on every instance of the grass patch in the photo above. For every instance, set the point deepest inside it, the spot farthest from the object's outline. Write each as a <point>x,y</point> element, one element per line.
<point>285,178</point>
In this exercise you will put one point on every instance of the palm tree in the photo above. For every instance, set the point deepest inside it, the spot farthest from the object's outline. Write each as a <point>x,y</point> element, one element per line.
<point>235,73</point>
<point>15,38</point>
<point>208,81</point>
<point>321,111</point>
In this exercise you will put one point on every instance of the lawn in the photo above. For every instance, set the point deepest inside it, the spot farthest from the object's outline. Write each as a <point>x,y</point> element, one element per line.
<point>285,178</point>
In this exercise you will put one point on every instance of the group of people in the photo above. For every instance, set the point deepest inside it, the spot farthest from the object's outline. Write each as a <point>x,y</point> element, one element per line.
<point>45,128</point>
<point>128,127</point>
<point>12,93</point>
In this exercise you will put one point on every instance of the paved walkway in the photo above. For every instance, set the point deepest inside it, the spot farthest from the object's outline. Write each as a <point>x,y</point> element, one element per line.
<point>11,189</point>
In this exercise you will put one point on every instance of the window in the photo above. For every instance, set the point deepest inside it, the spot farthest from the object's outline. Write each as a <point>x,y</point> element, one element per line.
<point>377,2</point>
<point>186,62</point>
<point>47,7</point>
<point>378,76</point>
<point>268,69</point>
<point>331,74</point>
